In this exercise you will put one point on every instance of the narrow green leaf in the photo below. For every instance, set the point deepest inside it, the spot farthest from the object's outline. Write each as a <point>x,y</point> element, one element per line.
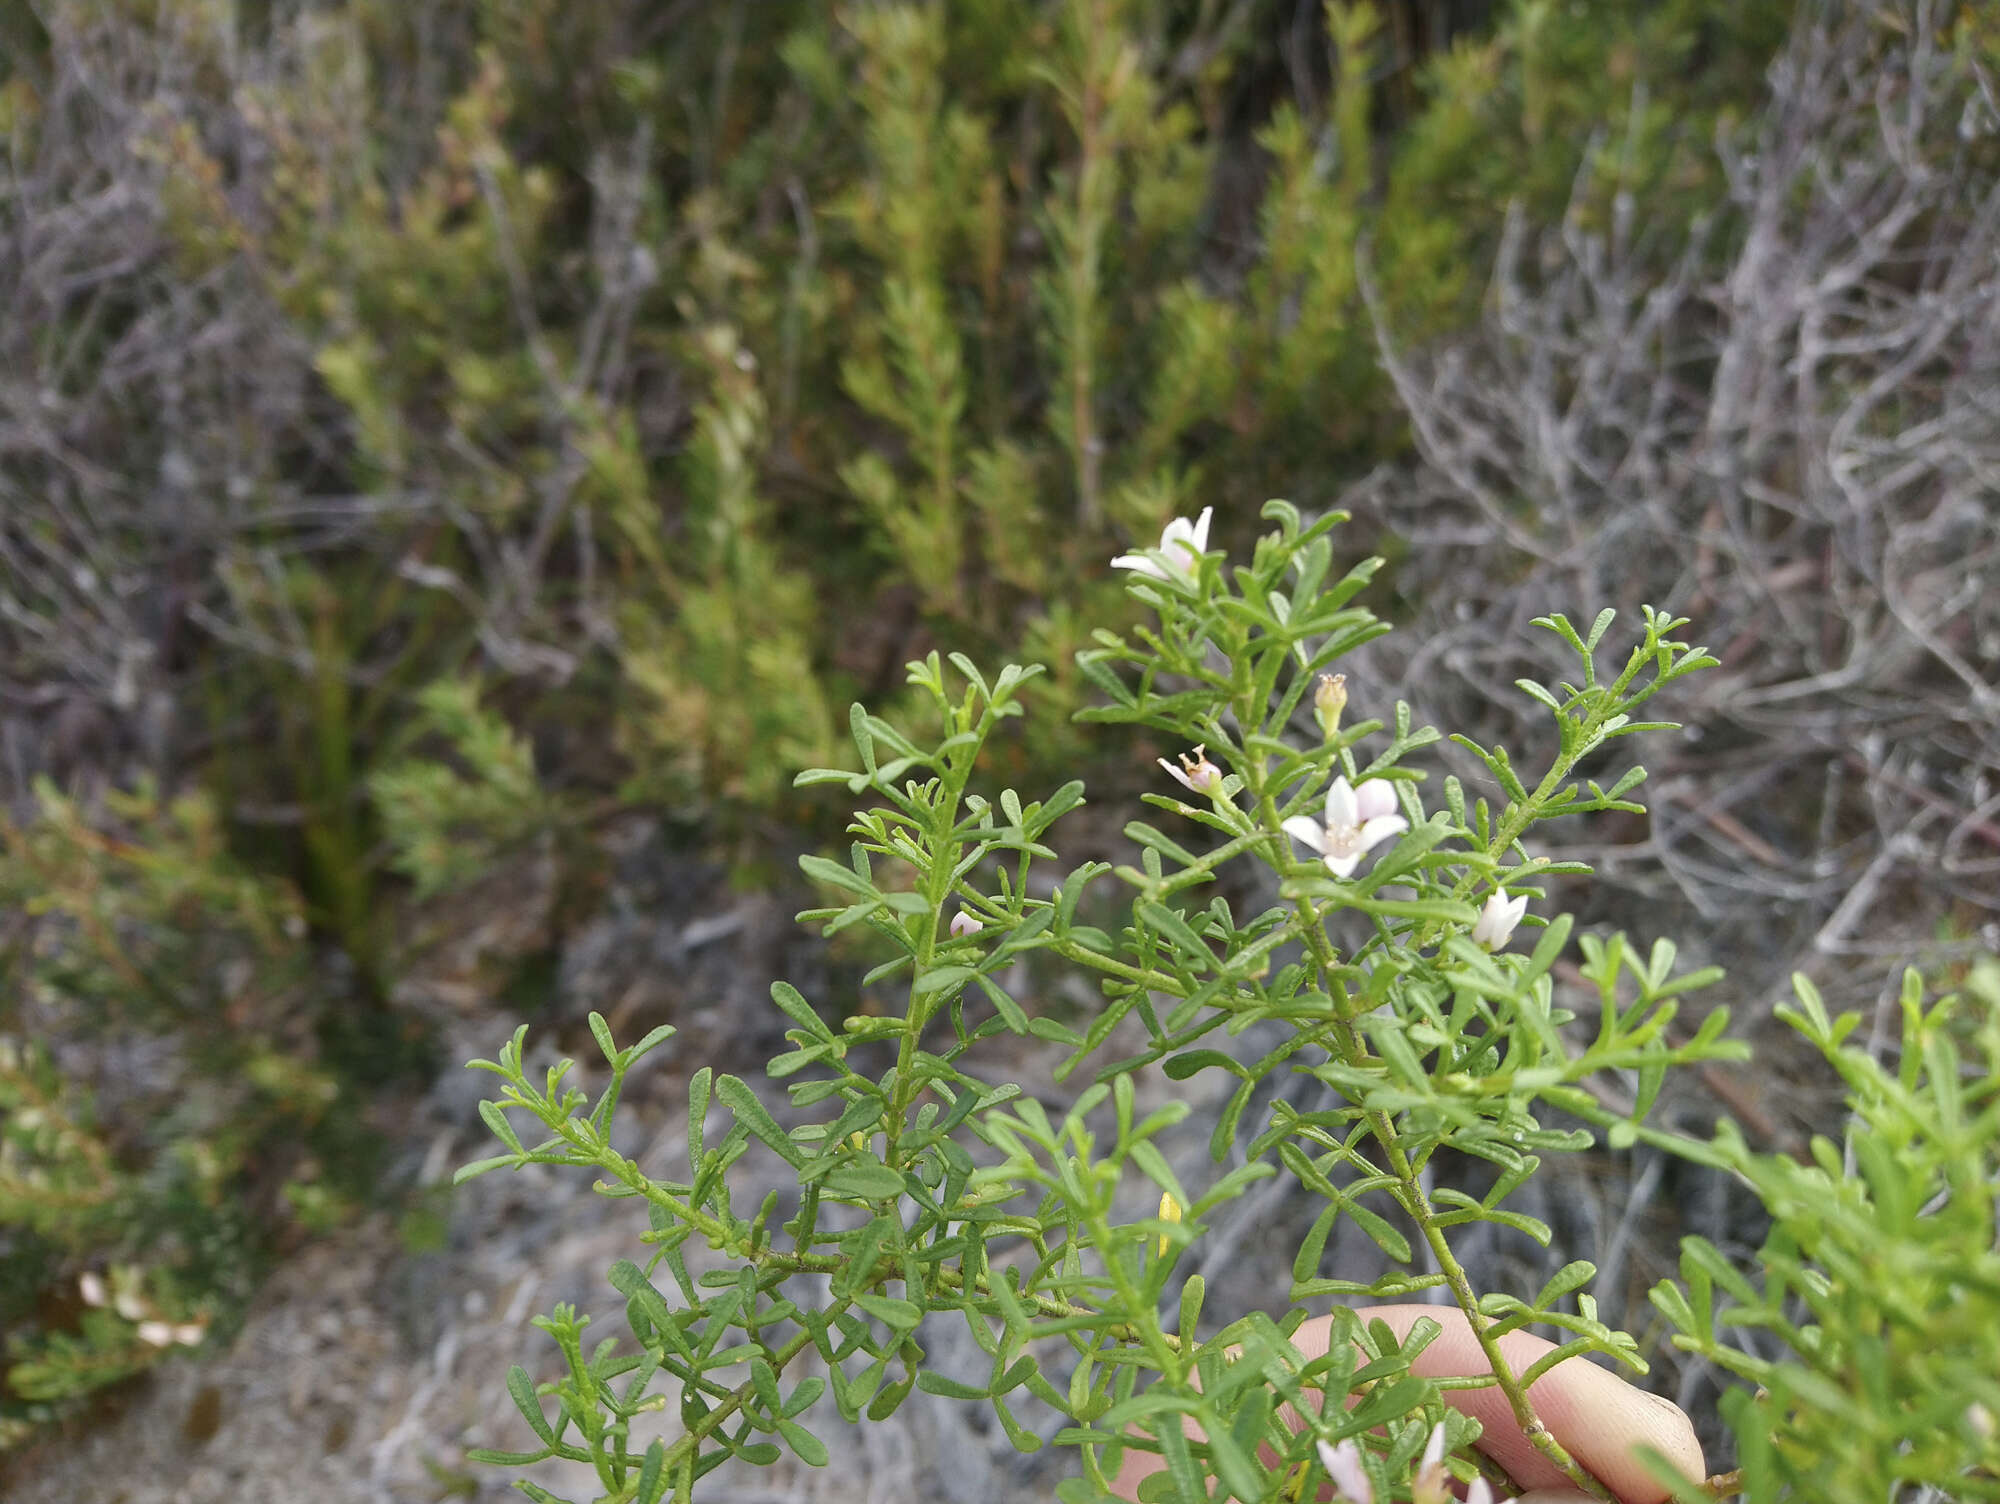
<point>698,1118</point>
<point>1571,1277</point>
<point>951,1389</point>
<point>601,1032</point>
<point>807,1447</point>
<point>652,1474</point>
<point>503,1130</point>
<point>750,1112</point>
<point>522,1388</point>
<point>868,1181</point>
<point>799,1011</point>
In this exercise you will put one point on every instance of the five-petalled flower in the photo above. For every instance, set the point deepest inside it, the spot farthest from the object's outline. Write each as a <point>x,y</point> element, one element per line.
<point>1497,920</point>
<point>1196,773</point>
<point>1181,546</point>
<point>1357,819</point>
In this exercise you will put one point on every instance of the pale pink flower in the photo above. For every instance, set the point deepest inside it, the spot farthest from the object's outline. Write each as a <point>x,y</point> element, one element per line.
<point>1481,1492</point>
<point>1181,545</point>
<point>1497,920</point>
<point>1196,773</point>
<point>1344,1471</point>
<point>1356,821</point>
<point>963,924</point>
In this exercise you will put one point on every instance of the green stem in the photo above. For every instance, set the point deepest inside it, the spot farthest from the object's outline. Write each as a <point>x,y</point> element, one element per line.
<point>1346,1046</point>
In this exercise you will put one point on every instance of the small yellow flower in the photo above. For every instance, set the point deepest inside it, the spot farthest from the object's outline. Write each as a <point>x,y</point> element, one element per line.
<point>1170,1211</point>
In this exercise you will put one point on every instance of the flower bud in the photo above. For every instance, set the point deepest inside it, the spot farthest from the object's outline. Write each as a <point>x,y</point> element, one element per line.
<point>1498,919</point>
<point>1329,700</point>
<point>1170,1211</point>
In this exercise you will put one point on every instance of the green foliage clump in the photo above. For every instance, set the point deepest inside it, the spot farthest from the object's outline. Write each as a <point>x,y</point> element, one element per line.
<point>1880,1276</point>
<point>658,355</point>
<point>138,936</point>
<point>927,1190</point>
<point>447,825</point>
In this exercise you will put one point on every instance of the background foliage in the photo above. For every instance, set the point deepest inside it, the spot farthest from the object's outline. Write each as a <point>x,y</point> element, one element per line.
<point>433,434</point>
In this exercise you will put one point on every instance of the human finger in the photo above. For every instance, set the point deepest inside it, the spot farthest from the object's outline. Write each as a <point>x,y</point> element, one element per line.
<point>1601,1420</point>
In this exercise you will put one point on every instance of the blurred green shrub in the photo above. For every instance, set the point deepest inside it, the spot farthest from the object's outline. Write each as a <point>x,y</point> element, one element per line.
<point>726,365</point>
<point>145,1182</point>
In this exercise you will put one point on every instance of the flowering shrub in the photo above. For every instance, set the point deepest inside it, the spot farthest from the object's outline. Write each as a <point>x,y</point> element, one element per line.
<point>924,1188</point>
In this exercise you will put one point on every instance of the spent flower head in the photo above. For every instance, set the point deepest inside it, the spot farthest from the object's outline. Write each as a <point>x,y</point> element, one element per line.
<point>1196,773</point>
<point>1329,700</point>
<point>1357,820</point>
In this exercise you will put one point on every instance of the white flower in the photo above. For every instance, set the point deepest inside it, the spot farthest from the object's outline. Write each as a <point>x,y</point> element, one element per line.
<point>1196,773</point>
<point>963,924</point>
<point>190,1333</point>
<point>1497,920</point>
<point>1343,1468</point>
<point>1356,820</point>
<point>156,1334</point>
<point>1481,1492</point>
<point>92,1289</point>
<point>1431,1484</point>
<point>1182,544</point>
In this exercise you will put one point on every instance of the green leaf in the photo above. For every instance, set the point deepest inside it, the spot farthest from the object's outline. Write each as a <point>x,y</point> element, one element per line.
<point>1180,1067</point>
<point>698,1089</point>
<point>522,1388</point>
<point>836,876</point>
<point>652,1474</point>
<point>750,1112</point>
<point>1232,1466</point>
<point>481,1166</point>
<point>807,1447</point>
<point>799,1011</point>
<point>503,1130</point>
<point>601,1032</point>
<point>869,1182</point>
<point>951,1389</point>
<point>1571,1277</point>
<point>1166,922</point>
<point>899,1315</point>
<point>862,1249</point>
